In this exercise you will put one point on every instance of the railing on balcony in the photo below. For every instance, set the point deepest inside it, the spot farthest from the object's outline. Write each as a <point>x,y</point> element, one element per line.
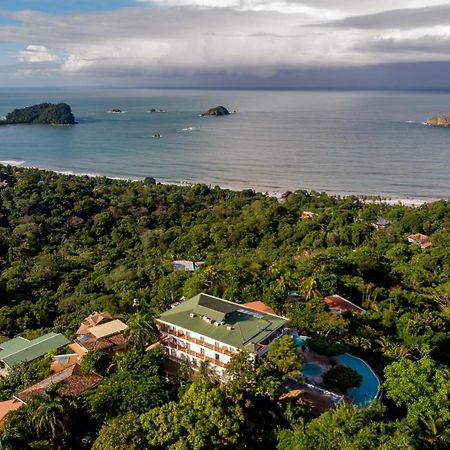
<point>168,343</point>
<point>199,342</point>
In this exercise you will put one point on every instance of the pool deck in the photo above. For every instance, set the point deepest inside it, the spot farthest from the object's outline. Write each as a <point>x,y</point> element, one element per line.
<point>310,396</point>
<point>327,363</point>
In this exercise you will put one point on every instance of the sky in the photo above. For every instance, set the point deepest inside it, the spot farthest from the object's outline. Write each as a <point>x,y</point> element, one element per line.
<point>348,44</point>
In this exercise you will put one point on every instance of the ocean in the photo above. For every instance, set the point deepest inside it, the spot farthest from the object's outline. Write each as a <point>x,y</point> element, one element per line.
<point>340,142</point>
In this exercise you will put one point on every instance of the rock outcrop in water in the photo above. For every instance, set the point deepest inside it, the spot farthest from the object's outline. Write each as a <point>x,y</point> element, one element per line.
<point>43,113</point>
<point>217,111</point>
<point>439,121</point>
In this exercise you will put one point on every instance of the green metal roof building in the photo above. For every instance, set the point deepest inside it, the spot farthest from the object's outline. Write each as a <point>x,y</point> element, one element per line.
<point>19,349</point>
<point>223,321</point>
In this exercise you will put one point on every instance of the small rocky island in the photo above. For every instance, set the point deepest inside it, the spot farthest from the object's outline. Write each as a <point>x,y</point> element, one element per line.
<point>217,111</point>
<point>43,113</point>
<point>441,120</point>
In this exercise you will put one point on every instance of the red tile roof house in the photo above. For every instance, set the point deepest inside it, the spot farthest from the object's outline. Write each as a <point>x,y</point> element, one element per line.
<point>339,305</point>
<point>6,407</point>
<point>420,239</point>
<point>260,306</point>
<point>99,331</point>
<point>73,383</point>
<point>61,362</point>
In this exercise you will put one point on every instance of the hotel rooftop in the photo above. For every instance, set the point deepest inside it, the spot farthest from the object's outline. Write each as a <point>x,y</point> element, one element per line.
<point>224,321</point>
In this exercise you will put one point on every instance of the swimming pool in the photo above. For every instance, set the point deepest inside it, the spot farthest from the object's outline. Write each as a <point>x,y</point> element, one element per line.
<point>311,370</point>
<point>369,388</point>
<point>300,341</point>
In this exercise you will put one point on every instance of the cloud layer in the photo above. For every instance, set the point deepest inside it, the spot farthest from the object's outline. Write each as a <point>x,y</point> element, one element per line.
<point>227,38</point>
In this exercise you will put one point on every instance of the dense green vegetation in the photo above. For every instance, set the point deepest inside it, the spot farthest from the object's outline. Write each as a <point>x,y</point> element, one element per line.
<point>43,113</point>
<point>70,245</point>
<point>342,378</point>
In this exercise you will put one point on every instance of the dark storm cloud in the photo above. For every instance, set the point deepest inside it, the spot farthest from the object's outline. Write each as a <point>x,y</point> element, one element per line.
<point>401,18</point>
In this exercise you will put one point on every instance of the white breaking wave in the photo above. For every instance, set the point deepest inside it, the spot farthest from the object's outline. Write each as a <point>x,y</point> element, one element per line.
<point>12,162</point>
<point>415,122</point>
<point>117,112</point>
<point>183,130</point>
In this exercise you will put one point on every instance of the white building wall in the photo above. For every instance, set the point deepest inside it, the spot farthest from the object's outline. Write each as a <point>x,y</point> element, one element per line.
<point>198,348</point>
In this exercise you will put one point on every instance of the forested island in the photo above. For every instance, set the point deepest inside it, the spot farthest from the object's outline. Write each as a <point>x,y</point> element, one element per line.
<point>43,113</point>
<point>72,245</point>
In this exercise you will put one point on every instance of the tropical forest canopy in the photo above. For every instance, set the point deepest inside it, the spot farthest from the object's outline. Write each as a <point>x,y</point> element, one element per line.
<point>43,113</point>
<point>71,245</point>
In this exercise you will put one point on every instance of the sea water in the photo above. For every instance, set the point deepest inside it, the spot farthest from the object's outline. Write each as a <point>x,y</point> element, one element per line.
<point>341,142</point>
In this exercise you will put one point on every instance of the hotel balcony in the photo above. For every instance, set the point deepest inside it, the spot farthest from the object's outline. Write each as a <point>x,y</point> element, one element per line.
<point>223,350</point>
<point>168,344</point>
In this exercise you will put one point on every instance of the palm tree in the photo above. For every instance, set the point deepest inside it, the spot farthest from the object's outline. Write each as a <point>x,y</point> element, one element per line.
<point>308,287</point>
<point>205,371</point>
<point>391,349</point>
<point>139,332</point>
<point>435,432</point>
<point>50,417</point>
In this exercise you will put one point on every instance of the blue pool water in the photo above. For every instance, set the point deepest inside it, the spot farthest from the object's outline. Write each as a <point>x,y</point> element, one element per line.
<point>365,393</point>
<point>368,390</point>
<point>300,340</point>
<point>311,370</point>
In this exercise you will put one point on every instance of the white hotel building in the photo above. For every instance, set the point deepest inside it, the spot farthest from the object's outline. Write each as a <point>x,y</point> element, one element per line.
<point>207,328</point>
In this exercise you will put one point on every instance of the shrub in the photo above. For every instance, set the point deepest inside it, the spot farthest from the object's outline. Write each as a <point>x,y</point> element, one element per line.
<point>326,347</point>
<point>342,378</point>
<point>95,361</point>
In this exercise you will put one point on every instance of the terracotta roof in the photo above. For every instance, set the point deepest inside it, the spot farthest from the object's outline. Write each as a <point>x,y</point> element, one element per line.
<point>94,319</point>
<point>259,306</point>
<point>78,349</point>
<point>74,384</point>
<point>60,362</point>
<point>418,237</point>
<point>341,304</point>
<point>6,407</point>
<point>89,342</point>
<point>425,244</point>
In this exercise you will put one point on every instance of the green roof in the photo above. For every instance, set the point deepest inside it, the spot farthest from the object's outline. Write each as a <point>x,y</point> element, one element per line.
<point>223,321</point>
<point>19,349</point>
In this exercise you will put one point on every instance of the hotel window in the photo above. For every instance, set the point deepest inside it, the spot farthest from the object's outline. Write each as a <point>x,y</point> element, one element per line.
<point>188,334</point>
<point>217,357</point>
<point>202,351</point>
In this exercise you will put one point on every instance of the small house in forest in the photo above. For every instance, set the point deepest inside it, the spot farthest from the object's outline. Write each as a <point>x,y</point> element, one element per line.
<point>340,305</point>
<point>19,349</point>
<point>419,239</point>
<point>381,222</point>
<point>99,331</point>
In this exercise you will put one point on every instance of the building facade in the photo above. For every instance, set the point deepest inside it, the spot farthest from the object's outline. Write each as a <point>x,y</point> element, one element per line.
<point>207,328</point>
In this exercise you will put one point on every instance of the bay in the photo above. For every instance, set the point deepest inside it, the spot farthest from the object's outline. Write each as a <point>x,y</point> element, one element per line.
<point>340,142</point>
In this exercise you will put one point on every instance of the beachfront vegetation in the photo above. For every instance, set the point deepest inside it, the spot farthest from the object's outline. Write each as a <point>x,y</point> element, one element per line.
<point>70,245</point>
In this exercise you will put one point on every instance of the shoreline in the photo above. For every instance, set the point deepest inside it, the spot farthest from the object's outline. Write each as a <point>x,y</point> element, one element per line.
<point>366,198</point>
